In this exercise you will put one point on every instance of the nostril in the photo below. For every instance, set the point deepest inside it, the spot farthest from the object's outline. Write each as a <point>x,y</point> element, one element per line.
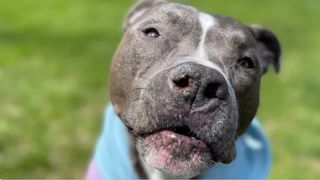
<point>183,82</point>
<point>215,90</point>
<point>211,90</point>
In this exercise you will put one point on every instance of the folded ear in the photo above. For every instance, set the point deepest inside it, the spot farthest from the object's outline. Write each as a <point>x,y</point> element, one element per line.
<point>268,47</point>
<point>138,10</point>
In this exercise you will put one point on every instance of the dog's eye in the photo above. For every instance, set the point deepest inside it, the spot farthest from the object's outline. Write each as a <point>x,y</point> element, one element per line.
<point>246,63</point>
<point>152,32</point>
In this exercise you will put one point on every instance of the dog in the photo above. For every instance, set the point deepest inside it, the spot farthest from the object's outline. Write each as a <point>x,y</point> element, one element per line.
<point>184,88</point>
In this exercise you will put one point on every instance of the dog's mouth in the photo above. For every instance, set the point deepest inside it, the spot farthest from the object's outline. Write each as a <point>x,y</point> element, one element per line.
<point>185,131</point>
<point>177,150</point>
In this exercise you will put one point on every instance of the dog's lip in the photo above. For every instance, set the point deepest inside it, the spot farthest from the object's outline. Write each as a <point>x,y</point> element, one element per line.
<point>180,132</point>
<point>192,138</point>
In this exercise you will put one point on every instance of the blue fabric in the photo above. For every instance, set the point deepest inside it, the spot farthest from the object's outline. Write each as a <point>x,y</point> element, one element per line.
<point>113,157</point>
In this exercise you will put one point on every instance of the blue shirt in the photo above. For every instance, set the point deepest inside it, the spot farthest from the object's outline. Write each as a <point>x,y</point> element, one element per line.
<point>113,160</point>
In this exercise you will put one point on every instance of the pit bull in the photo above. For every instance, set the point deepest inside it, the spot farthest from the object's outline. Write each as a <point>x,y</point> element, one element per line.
<point>184,89</point>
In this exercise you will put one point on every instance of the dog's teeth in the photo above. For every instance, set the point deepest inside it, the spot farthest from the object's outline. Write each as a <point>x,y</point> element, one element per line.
<point>193,138</point>
<point>173,136</point>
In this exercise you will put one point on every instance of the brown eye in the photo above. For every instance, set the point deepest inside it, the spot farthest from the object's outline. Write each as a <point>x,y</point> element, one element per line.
<point>246,63</point>
<point>152,32</point>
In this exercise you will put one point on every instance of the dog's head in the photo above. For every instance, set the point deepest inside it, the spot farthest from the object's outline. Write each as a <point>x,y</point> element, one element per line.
<point>186,83</point>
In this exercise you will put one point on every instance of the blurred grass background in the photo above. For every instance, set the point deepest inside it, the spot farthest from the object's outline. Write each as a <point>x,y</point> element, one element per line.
<point>54,60</point>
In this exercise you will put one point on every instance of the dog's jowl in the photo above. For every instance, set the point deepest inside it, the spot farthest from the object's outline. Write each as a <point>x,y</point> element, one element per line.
<point>184,88</point>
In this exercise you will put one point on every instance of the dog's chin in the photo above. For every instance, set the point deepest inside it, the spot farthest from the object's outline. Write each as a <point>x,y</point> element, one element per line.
<point>174,154</point>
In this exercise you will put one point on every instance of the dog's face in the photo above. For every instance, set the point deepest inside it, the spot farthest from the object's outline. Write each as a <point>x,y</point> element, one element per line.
<point>186,84</point>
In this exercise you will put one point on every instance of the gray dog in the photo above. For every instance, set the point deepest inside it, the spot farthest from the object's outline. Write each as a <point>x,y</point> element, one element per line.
<point>186,86</point>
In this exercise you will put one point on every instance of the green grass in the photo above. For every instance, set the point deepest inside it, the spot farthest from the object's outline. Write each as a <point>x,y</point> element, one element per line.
<point>54,61</point>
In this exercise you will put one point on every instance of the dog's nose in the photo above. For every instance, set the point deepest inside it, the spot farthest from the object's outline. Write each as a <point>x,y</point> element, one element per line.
<point>197,80</point>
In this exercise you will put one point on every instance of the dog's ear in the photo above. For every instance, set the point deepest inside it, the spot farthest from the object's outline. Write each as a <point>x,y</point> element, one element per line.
<point>138,10</point>
<point>268,47</point>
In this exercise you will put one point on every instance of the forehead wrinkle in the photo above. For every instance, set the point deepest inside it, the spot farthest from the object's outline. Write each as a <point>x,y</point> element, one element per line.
<point>169,13</point>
